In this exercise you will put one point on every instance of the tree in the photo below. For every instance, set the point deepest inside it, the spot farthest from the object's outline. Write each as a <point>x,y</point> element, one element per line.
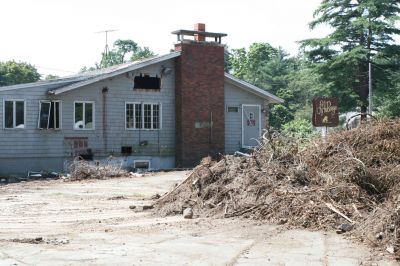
<point>12,73</point>
<point>363,32</point>
<point>121,49</point>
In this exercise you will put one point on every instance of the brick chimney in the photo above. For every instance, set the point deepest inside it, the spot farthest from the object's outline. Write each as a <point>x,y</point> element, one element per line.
<point>200,27</point>
<point>200,129</point>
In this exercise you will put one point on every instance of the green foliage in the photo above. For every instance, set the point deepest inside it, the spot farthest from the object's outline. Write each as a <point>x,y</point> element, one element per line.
<point>51,77</point>
<point>363,32</point>
<point>279,115</point>
<point>123,51</point>
<point>12,73</point>
<point>299,128</point>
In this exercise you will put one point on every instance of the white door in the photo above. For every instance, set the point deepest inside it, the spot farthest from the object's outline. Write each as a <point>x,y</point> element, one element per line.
<point>251,125</point>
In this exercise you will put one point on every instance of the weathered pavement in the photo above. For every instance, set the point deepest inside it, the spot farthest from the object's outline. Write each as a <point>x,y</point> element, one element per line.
<point>90,223</point>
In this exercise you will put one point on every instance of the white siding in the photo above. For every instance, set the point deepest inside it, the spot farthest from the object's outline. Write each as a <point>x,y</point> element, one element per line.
<point>235,97</point>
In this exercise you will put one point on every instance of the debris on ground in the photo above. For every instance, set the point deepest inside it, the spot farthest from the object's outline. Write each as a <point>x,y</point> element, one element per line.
<point>347,180</point>
<point>81,169</point>
<point>122,197</point>
<point>188,213</point>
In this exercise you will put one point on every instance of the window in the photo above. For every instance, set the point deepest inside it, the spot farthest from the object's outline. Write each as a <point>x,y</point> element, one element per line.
<point>84,115</point>
<point>141,164</point>
<point>145,81</point>
<point>49,115</point>
<point>14,114</point>
<point>232,109</point>
<point>143,116</point>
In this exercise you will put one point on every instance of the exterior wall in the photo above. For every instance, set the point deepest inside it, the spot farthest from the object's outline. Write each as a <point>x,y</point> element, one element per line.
<point>235,97</point>
<point>200,123</point>
<point>48,149</point>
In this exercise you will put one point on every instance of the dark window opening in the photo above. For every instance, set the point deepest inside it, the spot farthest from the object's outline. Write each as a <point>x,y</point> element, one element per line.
<point>147,82</point>
<point>14,114</point>
<point>49,115</point>
<point>126,150</point>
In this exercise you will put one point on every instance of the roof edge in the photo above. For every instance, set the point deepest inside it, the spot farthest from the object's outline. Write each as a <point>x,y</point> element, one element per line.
<point>253,89</point>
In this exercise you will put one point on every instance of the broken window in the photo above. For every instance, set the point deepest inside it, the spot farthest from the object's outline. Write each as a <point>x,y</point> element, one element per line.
<point>145,81</point>
<point>49,115</point>
<point>84,115</point>
<point>14,114</point>
<point>142,116</point>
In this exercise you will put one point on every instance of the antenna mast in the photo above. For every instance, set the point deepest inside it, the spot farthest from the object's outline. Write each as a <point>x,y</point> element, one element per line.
<point>106,48</point>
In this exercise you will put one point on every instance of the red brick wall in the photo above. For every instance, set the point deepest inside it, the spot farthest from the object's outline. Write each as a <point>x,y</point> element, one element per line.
<point>199,96</point>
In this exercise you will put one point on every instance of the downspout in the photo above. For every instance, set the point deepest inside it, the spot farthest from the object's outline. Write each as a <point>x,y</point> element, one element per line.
<point>104,91</point>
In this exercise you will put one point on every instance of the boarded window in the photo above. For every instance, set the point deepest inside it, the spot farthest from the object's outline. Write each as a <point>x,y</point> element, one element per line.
<point>14,114</point>
<point>147,82</point>
<point>84,115</point>
<point>49,115</point>
<point>142,116</point>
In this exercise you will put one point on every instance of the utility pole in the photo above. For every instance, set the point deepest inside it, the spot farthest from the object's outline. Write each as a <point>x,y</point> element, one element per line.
<point>370,88</point>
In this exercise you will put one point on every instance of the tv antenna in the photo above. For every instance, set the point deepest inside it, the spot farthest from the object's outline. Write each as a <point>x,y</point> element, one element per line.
<point>106,48</point>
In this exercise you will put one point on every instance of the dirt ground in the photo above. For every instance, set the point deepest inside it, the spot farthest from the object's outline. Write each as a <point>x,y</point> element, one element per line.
<point>90,223</point>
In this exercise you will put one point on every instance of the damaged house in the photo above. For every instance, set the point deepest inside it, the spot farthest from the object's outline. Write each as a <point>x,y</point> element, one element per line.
<point>163,112</point>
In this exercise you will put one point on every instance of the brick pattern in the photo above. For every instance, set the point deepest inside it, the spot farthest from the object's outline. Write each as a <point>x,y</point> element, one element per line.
<point>199,100</point>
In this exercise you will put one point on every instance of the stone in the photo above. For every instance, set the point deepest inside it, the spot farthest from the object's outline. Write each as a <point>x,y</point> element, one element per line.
<point>132,207</point>
<point>390,249</point>
<point>147,207</point>
<point>156,196</point>
<point>345,228</point>
<point>188,213</point>
<point>282,221</point>
<point>379,235</point>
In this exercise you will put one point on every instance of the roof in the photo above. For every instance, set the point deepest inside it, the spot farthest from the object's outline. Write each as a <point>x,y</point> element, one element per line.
<point>72,82</point>
<point>81,79</point>
<point>103,74</point>
<point>253,89</point>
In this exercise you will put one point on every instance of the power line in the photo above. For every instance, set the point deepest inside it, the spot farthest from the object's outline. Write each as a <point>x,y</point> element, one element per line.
<point>55,69</point>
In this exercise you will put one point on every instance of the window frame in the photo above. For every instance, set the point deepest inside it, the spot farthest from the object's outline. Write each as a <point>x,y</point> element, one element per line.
<point>142,116</point>
<point>14,113</point>
<point>60,114</point>
<point>142,161</point>
<point>83,118</point>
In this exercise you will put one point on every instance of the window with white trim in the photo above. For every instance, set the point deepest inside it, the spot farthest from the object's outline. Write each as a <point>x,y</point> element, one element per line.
<point>84,115</point>
<point>14,114</point>
<point>143,115</point>
<point>49,115</point>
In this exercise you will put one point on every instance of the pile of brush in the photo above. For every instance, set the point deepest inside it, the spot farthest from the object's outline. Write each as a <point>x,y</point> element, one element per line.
<point>81,169</point>
<point>350,180</point>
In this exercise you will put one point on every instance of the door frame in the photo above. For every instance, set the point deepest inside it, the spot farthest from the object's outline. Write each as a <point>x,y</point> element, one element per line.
<point>259,122</point>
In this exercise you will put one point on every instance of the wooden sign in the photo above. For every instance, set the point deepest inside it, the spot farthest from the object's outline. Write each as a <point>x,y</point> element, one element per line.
<point>325,112</point>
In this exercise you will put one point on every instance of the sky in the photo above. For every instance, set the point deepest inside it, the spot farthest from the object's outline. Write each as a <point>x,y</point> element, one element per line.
<point>60,36</point>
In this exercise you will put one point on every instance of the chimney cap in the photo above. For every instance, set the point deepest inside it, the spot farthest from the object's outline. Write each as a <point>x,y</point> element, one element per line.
<point>215,35</point>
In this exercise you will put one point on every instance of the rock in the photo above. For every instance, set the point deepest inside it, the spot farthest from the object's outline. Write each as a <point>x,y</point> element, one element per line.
<point>282,221</point>
<point>39,239</point>
<point>156,196</point>
<point>132,207</point>
<point>188,213</point>
<point>379,235</point>
<point>343,228</point>
<point>390,249</point>
<point>147,207</point>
